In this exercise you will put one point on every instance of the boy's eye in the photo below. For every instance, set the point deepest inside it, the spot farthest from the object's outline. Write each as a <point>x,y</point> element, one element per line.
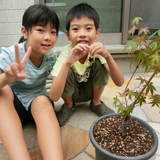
<point>75,29</point>
<point>40,30</point>
<point>89,28</point>
<point>53,32</point>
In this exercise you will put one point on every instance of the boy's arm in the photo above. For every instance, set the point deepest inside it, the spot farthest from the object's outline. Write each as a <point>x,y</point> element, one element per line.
<point>15,72</point>
<point>3,81</point>
<point>111,66</point>
<point>114,71</point>
<point>58,82</point>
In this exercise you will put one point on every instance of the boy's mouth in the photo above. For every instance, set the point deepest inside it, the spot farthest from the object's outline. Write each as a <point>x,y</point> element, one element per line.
<point>84,42</point>
<point>46,45</point>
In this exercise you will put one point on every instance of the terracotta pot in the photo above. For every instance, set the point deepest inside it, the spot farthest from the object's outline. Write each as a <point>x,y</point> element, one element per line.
<point>102,154</point>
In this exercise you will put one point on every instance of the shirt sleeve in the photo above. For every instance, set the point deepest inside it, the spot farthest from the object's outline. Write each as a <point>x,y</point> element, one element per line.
<point>60,60</point>
<point>102,59</point>
<point>6,57</point>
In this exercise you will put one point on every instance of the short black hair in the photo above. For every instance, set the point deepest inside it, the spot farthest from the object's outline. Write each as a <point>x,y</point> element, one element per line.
<point>80,10</point>
<point>39,13</point>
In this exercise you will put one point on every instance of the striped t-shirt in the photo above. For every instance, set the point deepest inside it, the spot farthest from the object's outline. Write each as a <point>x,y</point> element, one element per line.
<point>26,90</point>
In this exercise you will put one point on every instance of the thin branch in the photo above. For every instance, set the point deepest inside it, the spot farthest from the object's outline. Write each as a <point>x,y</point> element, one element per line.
<point>144,87</point>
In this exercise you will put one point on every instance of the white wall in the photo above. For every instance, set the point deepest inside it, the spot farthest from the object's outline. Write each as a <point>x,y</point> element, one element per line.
<point>11,12</point>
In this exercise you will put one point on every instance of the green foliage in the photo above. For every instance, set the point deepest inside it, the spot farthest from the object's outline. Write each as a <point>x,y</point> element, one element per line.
<point>145,52</point>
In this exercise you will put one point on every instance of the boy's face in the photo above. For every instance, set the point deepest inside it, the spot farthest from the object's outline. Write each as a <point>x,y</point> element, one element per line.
<point>41,38</point>
<point>82,31</point>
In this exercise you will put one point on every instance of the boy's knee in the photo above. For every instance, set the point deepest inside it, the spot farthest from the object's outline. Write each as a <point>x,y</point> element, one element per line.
<point>6,93</point>
<point>41,103</point>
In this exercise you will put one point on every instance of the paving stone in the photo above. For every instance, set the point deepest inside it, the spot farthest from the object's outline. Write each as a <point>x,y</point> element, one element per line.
<point>30,135</point>
<point>103,98</point>
<point>155,126</point>
<point>90,150</point>
<point>158,150</point>
<point>109,103</point>
<point>83,117</point>
<point>35,154</point>
<point>110,92</point>
<point>152,158</point>
<point>138,112</point>
<point>82,156</point>
<point>157,157</point>
<point>3,153</point>
<point>112,85</point>
<point>153,113</point>
<point>74,141</point>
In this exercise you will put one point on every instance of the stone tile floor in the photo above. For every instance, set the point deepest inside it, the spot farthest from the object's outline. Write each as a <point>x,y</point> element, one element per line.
<point>75,134</point>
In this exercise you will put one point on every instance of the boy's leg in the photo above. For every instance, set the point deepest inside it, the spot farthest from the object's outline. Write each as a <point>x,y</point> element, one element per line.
<point>100,78</point>
<point>11,132</point>
<point>68,108</point>
<point>48,130</point>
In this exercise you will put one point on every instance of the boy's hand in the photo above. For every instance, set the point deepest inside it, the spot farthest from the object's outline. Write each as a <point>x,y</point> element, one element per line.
<point>15,71</point>
<point>98,48</point>
<point>77,52</point>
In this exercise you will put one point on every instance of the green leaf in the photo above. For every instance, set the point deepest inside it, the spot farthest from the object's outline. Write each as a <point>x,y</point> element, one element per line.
<point>136,20</point>
<point>153,34</point>
<point>128,110</point>
<point>141,100</point>
<point>132,44</point>
<point>159,32</point>
<point>133,61</point>
<point>150,88</point>
<point>116,101</point>
<point>155,58</point>
<point>155,100</point>
<point>121,109</point>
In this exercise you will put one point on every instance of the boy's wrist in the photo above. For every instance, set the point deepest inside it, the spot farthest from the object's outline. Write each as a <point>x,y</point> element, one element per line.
<point>3,80</point>
<point>67,64</point>
<point>108,55</point>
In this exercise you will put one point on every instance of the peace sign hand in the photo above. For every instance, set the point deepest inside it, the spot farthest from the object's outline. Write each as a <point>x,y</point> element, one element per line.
<point>15,72</point>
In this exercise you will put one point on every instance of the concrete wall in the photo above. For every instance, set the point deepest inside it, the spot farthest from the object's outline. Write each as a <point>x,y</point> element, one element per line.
<point>11,12</point>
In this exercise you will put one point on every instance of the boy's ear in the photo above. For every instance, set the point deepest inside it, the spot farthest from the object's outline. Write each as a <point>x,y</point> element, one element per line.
<point>24,32</point>
<point>67,34</point>
<point>97,33</point>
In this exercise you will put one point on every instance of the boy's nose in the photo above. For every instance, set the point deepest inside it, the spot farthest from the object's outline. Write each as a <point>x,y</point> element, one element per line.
<point>82,33</point>
<point>47,36</point>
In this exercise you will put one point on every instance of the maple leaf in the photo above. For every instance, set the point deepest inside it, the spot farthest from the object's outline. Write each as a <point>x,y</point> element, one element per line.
<point>132,43</point>
<point>136,20</point>
<point>116,101</point>
<point>150,88</point>
<point>132,30</point>
<point>144,30</point>
<point>155,100</point>
<point>121,109</point>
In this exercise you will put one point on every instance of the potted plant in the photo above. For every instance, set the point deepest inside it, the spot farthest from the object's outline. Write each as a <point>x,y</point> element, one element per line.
<point>120,141</point>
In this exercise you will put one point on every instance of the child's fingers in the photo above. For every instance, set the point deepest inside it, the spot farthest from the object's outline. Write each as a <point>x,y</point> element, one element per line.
<point>83,46</point>
<point>9,72</point>
<point>15,69</point>
<point>80,48</point>
<point>23,75</point>
<point>94,50</point>
<point>27,55</point>
<point>17,55</point>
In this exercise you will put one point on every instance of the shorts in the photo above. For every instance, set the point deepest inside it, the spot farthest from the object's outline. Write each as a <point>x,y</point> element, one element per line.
<point>24,115</point>
<point>98,77</point>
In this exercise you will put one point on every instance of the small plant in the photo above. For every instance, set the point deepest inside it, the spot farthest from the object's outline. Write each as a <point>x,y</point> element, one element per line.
<point>145,52</point>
